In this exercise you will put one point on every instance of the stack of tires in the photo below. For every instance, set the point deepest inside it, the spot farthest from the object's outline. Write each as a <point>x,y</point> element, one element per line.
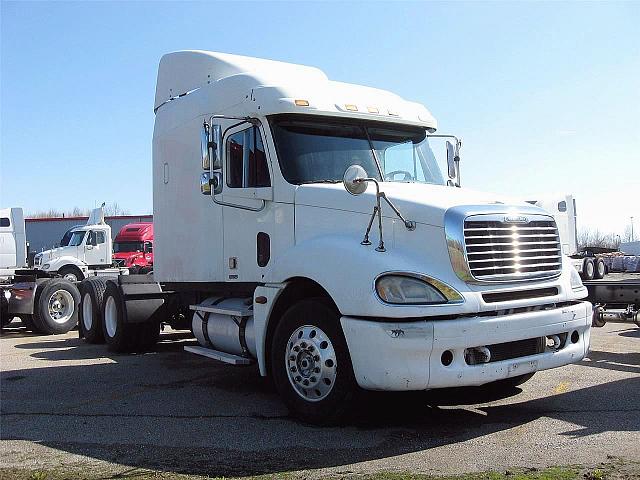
<point>102,319</point>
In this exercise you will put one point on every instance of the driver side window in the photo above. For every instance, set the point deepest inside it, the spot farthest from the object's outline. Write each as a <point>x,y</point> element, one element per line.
<point>246,160</point>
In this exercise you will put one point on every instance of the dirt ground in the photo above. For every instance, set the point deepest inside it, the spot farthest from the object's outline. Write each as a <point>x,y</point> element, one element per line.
<point>72,407</point>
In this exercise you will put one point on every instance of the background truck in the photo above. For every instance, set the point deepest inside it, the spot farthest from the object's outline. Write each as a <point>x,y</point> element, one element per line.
<point>46,296</point>
<point>304,224</point>
<point>133,247</point>
<point>89,248</point>
<point>564,212</point>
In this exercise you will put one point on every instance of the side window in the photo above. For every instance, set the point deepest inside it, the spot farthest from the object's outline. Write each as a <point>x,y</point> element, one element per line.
<point>4,222</point>
<point>100,237</point>
<point>246,160</point>
<point>562,206</point>
<point>91,239</point>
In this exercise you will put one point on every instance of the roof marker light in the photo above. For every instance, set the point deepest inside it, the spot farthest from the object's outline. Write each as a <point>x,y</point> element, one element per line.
<point>351,107</point>
<point>392,113</point>
<point>373,110</point>
<point>302,103</point>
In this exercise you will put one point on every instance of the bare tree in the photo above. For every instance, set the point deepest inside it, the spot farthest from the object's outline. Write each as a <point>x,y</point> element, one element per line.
<point>596,238</point>
<point>112,209</point>
<point>629,234</point>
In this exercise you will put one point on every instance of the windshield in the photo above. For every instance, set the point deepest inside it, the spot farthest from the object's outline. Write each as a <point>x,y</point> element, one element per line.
<point>120,247</point>
<point>321,149</point>
<point>76,238</point>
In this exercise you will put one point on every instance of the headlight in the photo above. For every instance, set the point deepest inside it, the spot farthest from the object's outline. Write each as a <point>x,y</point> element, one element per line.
<point>415,290</point>
<point>46,266</point>
<point>576,281</point>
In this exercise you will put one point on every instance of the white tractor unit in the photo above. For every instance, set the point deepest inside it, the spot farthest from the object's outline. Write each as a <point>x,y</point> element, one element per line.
<point>89,248</point>
<point>304,224</point>
<point>46,297</point>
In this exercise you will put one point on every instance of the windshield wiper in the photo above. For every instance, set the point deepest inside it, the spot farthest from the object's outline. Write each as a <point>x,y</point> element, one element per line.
<point>319,181</point>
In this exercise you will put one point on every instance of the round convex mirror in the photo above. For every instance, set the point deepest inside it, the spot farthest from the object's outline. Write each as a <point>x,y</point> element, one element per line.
<point>354,180</point>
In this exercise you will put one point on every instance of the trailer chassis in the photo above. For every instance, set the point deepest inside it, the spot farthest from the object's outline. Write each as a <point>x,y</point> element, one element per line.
<point>617,301</point>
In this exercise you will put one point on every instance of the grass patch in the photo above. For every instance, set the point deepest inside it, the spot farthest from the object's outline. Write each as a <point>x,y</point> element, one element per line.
<point>610,471</point>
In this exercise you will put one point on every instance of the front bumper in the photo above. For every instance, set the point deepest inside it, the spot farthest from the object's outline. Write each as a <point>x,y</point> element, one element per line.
<point>408,355</point>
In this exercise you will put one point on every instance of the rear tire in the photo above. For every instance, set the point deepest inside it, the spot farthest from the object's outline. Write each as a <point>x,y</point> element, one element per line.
<point>588,269</point>
<point>90,312</point>
<point>119,335</point>
<point>600,269</point>
<point>310,363</point>
<point>56,309</point>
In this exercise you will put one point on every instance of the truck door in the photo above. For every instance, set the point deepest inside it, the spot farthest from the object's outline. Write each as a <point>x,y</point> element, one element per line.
<point>248,211</point>
<point>95,251</point>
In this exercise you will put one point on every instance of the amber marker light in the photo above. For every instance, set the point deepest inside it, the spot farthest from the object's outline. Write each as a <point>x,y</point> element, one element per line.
<point>351,107</point>
<point>302,103</point>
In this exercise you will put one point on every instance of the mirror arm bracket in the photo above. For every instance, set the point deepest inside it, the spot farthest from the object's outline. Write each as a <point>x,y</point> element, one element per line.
<point>377,210</point>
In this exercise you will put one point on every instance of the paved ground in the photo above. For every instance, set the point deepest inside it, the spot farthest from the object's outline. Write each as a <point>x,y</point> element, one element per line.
<point>64,402</point>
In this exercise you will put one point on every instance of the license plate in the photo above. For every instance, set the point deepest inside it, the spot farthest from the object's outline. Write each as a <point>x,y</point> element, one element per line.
<point>521,368</point>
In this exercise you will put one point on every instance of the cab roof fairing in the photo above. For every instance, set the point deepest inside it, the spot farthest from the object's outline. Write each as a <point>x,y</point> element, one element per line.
<point>244,86</point>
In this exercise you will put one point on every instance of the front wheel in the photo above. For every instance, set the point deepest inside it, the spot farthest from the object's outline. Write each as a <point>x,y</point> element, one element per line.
<point>310,363</point>
<point>512,382</point>
<point>71,273</point>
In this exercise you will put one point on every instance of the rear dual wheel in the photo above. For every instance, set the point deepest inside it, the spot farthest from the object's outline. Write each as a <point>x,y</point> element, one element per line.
<point>90,314</point>
<point>120,335</point>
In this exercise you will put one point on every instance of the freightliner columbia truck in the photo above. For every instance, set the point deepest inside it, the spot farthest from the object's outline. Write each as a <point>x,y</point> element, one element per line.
<point>304,224</point>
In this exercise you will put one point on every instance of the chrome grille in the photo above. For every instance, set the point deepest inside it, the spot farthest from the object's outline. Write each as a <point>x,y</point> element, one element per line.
<point>498,249</point>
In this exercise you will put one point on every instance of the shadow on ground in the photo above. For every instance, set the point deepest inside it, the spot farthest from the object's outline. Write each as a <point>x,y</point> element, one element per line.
<point>235,420</point>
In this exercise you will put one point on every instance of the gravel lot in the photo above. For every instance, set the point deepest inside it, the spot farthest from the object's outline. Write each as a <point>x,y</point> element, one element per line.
<point>67,403</point>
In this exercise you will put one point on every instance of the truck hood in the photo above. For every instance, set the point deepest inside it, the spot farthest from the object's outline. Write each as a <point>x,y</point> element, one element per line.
<point>57,252</point>
<point>422,203</point>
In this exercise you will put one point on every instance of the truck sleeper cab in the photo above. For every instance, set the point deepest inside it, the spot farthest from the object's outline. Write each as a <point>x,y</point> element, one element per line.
<point>305,224</point>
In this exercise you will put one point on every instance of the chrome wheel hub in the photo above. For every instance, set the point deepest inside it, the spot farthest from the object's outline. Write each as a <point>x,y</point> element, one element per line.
<point>311,363</point>
<point>61,306</point>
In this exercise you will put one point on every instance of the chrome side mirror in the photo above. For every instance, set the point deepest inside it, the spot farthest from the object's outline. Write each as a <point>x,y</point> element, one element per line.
<point>451,164</point>
<point>205,183</point>
<point>216,144</point>
<point>216,182</point>
<point>205,144</point>
<point>355,180</point>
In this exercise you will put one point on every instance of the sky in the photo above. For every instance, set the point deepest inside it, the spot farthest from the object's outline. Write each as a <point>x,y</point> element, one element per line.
<point>546,95</point>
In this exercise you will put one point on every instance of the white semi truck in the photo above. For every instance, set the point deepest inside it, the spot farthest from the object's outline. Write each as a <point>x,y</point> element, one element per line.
<point>563,209</point>
<point>89,248</point>
<point>304,224</point>
<point>46,297</point>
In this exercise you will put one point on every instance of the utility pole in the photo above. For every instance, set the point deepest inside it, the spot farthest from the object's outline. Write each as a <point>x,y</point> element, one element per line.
<point>632,237</point>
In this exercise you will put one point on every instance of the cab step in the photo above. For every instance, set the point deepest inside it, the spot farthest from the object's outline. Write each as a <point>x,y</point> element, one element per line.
<point>218,355</point>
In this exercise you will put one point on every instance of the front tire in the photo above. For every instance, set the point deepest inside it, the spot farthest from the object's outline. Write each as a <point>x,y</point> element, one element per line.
<point>71,273</point>
<point>56,307</point>
<point>511,382</point>
<point>310,363</point>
